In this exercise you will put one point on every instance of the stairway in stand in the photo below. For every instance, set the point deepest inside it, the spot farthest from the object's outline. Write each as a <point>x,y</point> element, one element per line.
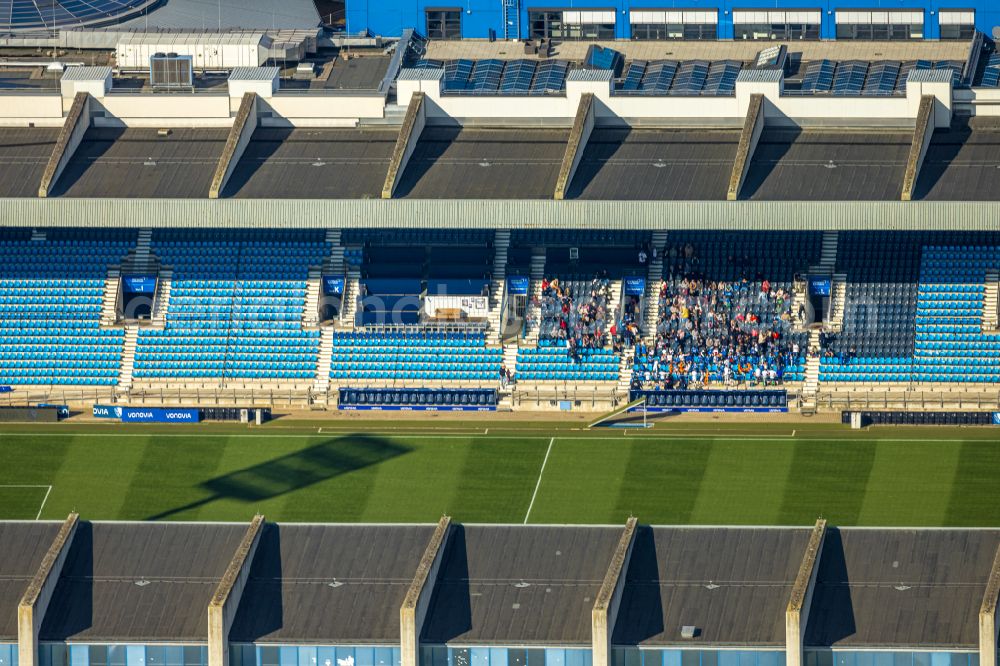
<point>810,384</point>
<point>128,358</point>
<point>534,312</point>
<point>498,285</point>
<point>321,386</point>
<point>651,299</point>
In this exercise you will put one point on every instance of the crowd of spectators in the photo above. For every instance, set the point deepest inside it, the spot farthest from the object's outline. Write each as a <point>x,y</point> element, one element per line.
<point>577,314</point>
<point>731,332</point>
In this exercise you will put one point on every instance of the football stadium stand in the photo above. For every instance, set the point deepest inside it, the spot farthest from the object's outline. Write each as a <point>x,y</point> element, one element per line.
<point>502,595</point>
<point>559,226</point>
<point>816,316</point>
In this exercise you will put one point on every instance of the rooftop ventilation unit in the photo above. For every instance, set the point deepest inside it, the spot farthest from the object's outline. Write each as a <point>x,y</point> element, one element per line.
<point>169,71</point>
<point>689,631</point>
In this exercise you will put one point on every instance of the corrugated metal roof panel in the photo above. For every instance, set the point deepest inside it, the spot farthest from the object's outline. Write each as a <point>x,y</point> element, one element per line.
<point>86,73</point>
<point>589,75</point>
<point>759,76</point>
<point>254,74</point>
<point>409,74</point>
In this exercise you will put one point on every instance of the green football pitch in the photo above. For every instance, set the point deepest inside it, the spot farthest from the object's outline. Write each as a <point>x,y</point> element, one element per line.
<point>503,472</point>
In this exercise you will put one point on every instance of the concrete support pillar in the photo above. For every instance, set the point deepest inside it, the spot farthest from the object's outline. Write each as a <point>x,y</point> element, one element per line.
<point>922,133</point>
<point>225,601</point>
<point>35,601</point>
<point>74,127</point>
<point>583,126</point>
<point>606,604</point>
<point>239,137</point>
<point>988,628</point>
<point>797,612</point>
<point>753,126</point>
<point>418,596</point>
<point>409,134</point>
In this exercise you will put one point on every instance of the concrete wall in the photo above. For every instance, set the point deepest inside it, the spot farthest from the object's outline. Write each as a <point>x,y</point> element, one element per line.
<point>418,596</point>
<point>406,143</point>
<point>76,125</point>
<point>989,628</point>
<point>226,600</point>
<point>800,601</point>
<point>199,110</point>
<point>608,600</point>
<point>319,110</point>
<point>236,143</point>
<point>39,108</point>
<point>31,609</point>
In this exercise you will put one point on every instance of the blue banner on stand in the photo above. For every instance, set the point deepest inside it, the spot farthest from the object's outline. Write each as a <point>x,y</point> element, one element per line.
<point>819,286</point>
<point>159,415</point>
<point>6,389</point>
<point>139,284</point>
<point>107,412</point>
<point>517,285</point>
<point>996,418</point>
<point>635,286</point>
<point>416,408</point>
<point>333,285</point>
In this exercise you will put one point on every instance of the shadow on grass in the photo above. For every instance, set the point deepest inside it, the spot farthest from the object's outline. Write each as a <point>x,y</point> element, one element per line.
<point>294,471</point>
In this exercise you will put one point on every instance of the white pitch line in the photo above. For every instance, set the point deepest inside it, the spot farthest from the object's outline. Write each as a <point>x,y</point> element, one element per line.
<point>44,500</point>
<point>265,434</point>
<point>446,435</point>
<point>539,482</point>
<point>39,485</point>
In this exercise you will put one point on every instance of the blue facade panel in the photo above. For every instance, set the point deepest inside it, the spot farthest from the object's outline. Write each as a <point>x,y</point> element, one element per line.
<point>479,17</point>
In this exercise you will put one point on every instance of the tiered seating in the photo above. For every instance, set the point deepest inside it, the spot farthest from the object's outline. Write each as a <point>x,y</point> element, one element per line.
<point>895,331</point>
<point>50,306</point>
<point>235,312</point>
<point>950,343</point>
<point>551,362</point>
<point>726,311</point>
<point>420,359</point>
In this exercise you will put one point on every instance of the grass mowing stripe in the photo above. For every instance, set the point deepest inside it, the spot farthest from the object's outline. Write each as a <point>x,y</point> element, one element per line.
<point>227,474</point>
<point>973,499</point>
<point>662,478</point>
<point>826,481</point>
<point>731,491</point>
<point>909,484</point>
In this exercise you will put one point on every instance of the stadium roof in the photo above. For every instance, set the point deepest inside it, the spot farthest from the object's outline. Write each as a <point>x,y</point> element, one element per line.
<point>313,163</point>
<point>890,588</point>
<point>357,574</point>
<point>226,14</point>
<point>23,546</point>
<point>23,156</point>
<point>731,583</point>
<point>963,164</point>
<point>505,585</point>
<point>618,164</point>
<point>139,581</point>
<point>454,163</point>
<point>137,162</point>
<point>650,164</point>
<point>522,585</point>
<point>827,165</point>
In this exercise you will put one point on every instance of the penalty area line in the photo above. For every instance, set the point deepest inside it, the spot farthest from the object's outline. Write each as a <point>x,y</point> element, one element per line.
<point>538,483</point>
<point>48,490</point>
